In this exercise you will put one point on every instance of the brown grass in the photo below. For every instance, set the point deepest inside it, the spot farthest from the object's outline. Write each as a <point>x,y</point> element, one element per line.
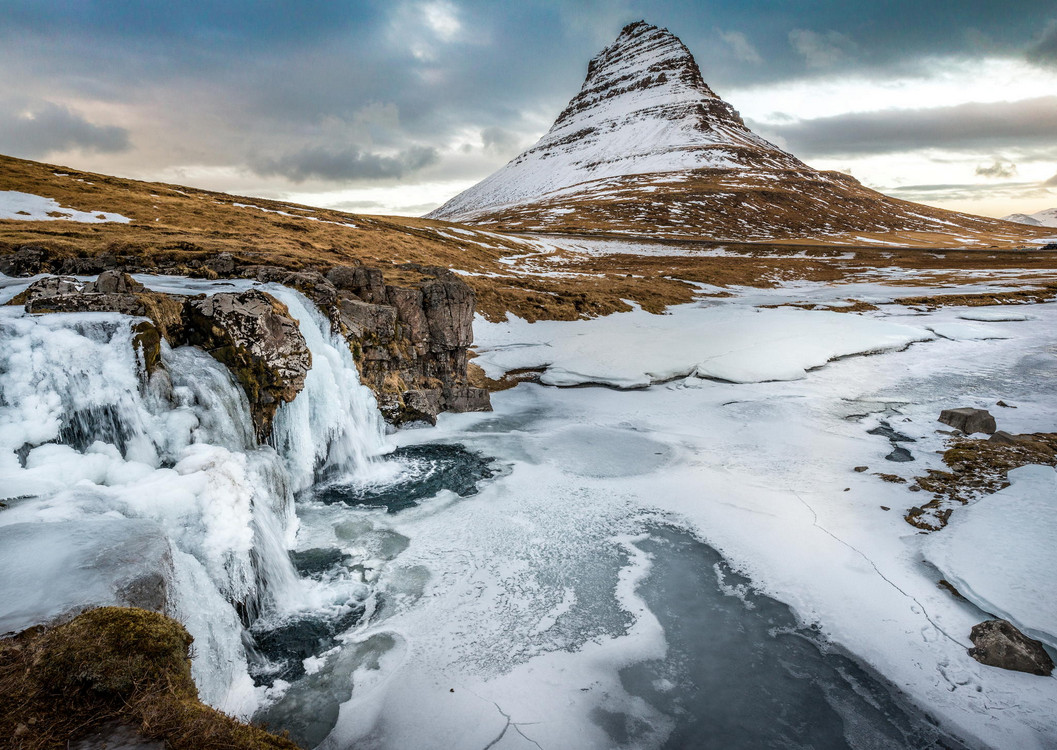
<point>1044,293</point>
<point>797,206</point>
<point>112,665</point>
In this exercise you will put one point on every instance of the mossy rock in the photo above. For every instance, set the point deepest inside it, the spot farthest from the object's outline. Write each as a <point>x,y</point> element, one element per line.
<point>112,666</point>
<point>111,651</point>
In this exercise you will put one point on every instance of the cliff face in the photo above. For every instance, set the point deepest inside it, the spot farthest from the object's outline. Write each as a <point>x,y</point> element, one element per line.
<point>409,341</point>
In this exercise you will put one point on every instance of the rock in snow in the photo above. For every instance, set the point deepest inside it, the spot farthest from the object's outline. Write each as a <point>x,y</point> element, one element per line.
<point>969,421</point>
<point>998,643</point>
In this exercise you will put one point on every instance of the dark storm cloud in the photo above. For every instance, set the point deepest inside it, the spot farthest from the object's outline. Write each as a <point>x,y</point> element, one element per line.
<point>221,82</point>
<point>1026,123</point>
<point>36,130</point>
<point>346,164</point>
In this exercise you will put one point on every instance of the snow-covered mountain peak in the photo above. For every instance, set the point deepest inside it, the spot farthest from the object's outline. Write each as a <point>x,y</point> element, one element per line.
<point>644,66</point>
<point>644,108</point>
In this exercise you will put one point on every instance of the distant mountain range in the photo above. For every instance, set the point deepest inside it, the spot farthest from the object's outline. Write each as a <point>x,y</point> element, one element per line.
<point>646,148</point>
<point>1045,218</point>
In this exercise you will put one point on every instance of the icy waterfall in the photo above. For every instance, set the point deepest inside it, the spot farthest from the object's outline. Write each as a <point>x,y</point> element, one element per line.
<point>101,466</point>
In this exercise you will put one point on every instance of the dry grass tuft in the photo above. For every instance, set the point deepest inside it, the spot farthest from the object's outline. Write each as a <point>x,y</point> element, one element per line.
<point>112,665</point>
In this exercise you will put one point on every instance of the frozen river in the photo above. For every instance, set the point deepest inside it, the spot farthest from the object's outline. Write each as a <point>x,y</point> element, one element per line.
<point>660,558</point>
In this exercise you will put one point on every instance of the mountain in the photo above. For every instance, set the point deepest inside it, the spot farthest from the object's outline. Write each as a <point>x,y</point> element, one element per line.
<point>1045,218</point>
<point>646,147</point>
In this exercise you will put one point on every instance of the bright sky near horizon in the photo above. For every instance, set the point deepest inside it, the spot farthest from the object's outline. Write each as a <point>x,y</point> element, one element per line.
<point>394,107</point>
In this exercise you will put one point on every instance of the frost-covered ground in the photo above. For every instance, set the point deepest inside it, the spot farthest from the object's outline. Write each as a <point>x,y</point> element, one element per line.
<point>528,615</point>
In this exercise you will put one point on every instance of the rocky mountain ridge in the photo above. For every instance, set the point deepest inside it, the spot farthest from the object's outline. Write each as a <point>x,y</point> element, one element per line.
<point>646,148</point>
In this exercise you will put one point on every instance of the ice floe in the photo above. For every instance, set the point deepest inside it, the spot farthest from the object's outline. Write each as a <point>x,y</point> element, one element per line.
<point>1000,553</point>
<point>733,343</point>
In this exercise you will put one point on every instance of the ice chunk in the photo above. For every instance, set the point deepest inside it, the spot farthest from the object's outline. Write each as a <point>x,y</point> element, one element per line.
<point>965,332</point>
<point>735,343</point>
<point>994,316</point>
<point>999,552</point>
<point>53,569</point>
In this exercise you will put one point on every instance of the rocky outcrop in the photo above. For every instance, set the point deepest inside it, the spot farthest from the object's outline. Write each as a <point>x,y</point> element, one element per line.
<point>998,643</point>
<point>969,420</point>
<point>410,342</point>
<point>251,332</point>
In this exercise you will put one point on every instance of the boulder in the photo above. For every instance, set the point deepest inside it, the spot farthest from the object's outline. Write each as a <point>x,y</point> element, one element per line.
<point>88,265</point>
<point>366,283</point>
<point>113,291</point>
<point>899,454</point>
<point>408,304</point>
<point>26,261</point>
<point>422,405</point>
<point>968,420</point>
<point>998,643</point>
<point>253,334</point>
<point>114,282</point>
<point>223,264</point>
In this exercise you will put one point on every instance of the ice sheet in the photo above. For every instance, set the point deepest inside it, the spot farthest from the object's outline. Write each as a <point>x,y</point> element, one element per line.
<point>731,343</point>
<point>1000,552</point>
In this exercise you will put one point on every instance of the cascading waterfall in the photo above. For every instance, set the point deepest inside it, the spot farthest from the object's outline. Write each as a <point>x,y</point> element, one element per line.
<point>85,435</point>
<point>333,428</point>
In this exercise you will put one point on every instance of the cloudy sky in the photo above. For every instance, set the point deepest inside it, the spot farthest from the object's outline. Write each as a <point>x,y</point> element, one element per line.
<point>393,106</point>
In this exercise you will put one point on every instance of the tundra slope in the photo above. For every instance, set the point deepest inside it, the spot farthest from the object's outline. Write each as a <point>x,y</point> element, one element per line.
<point>646,147</point>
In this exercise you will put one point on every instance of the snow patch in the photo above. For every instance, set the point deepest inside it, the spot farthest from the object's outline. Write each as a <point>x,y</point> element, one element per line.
<point>29,207</point>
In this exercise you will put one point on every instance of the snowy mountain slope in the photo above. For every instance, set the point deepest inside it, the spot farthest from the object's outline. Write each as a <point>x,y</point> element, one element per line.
<point>643,108</point>
<point>1045,218</point>
<point>647,147</point>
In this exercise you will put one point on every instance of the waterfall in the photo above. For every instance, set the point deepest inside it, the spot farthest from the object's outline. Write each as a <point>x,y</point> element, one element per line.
<point>333,428</point>
<point>85,434</point>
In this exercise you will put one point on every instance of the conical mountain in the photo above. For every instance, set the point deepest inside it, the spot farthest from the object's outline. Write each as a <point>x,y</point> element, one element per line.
<point>647,148</point>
